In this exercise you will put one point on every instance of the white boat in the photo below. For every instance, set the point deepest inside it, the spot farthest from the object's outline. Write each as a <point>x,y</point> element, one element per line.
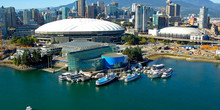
<point>99,75</point>
<point>122,77</point>
<point>64,76</point>
<point>85,74</point>
<point>159,66</point>
<point>132,77</point>
<point>156,74</point>
<point>167,73</point>
<point>106,79</point>
<point>28,108</point>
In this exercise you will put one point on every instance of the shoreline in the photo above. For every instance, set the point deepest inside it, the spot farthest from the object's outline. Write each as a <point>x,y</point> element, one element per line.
<point>10,64</point>
<point>181,57</point>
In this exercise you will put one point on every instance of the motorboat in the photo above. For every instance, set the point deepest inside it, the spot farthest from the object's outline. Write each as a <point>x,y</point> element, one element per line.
<point>99,75</point>
<point>132,77</point>
<point>64,76</point>
<point>108,78</point>
<point>156,74</point>
<point>122,76</point>
<point>167,73</point>
<point>85,74</point>
<point>159,66</point>
<point>28,108</point>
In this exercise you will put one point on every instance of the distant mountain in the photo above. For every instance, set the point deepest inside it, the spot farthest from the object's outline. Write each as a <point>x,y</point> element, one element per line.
<point>187,6</point>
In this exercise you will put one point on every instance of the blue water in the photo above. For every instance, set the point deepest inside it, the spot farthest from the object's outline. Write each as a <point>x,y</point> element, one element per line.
<point>194,86</point>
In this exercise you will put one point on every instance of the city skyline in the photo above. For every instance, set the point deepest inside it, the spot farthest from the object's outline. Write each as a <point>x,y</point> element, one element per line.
<point>27,4</point>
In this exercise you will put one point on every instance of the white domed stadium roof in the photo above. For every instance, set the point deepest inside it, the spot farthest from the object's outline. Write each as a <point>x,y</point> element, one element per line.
<point>179,30</point>
<point>78,25</point>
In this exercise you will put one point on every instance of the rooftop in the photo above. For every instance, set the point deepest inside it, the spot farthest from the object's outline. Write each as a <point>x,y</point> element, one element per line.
<point>81,45</point>
<point>112,55</point>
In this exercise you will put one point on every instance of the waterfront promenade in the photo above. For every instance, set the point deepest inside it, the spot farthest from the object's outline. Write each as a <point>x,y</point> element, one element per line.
<point>178,39</point>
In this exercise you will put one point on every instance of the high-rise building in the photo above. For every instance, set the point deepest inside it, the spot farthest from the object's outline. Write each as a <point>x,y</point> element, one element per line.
<point>47,16</point>
<point>162,21</point>
<point>101,5</point>
<point>203,17</point>
<point>111,10</point>
<point>173,10</point>
<point>11,17</point>
<point>75,6</point>
<point>65,11</point>
<point>141,18</point>
<point>133,7</point>
<point>35,15</point>
<point>26,16</point>
<point>91,11</point>
<point>177,10</point>
<point>81,7</point>
<point>3,23</point>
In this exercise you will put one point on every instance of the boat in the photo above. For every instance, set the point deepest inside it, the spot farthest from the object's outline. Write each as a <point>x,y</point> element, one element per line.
<point>85,74</point>
<point>99,75</point>
<point>63,76</point>
<point>156,74</point>
<point>132,77</point>
<point>122,76</point>
<point>159,66</point>
<point>167,73</point>
<point>106,79</point>
<point>28,108</point>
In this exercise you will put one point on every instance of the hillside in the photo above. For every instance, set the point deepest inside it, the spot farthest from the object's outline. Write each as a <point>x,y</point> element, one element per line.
<point>187,6</point>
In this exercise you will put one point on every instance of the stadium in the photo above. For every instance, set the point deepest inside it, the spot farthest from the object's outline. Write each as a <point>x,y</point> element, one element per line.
<point>67,29</point>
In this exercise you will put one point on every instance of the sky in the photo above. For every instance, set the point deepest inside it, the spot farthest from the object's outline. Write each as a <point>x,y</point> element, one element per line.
<point>26,4</point>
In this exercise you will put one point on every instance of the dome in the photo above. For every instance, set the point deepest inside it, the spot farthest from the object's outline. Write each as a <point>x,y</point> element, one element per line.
<point>179,30</point>
<point>80,26</point>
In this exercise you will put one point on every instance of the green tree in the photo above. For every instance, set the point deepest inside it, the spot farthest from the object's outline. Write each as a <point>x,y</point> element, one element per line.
<point>134,54</point>
<point>217,57</point>
<point>18,60</point>
<point>15,61</point>
<point>143,41</point>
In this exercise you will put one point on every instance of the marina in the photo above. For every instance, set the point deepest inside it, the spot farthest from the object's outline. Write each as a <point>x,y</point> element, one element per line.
<point>187,89</point>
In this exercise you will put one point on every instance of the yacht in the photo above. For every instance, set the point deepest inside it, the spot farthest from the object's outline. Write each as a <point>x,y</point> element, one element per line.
<point>85,74</point>
<point>64,76</point>
<point>99,75</point>
<point>106,79</point>
<point>167,73</point>
<point>28,108</point>
<point>156,74</point>
<point>122,76</point>
<point>132,77</point>
<point>159,66</point>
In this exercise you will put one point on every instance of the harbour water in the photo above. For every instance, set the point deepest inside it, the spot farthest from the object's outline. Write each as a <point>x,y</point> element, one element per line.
<point>194,85</point>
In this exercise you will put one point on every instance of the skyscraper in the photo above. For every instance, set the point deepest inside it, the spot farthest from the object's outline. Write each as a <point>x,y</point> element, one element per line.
<point>133,9</point>
<point>65,11</point>
<point>47,16</point>
<point>35,15</point>
<point>203,17</point>
<point>101,5</point>
<point>26,16</point>
<point>162,21</point>
<point>91,11</point>
<point>141,18</point>
<point>11,17</point>
<point>111,10</point>
<point>3,23</point>
<point>81,8</point>
<point>75,6</point>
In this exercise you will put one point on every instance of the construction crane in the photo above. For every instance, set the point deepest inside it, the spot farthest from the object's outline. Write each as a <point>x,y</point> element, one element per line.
<point>161,8</point>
